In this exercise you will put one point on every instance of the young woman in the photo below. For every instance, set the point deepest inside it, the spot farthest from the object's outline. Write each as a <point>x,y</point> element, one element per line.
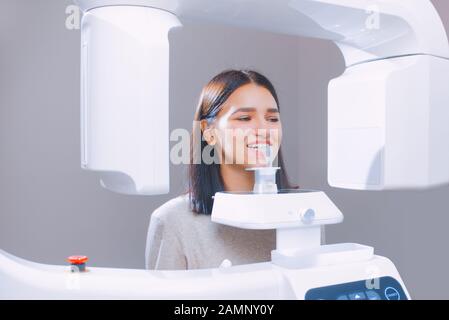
<point>238,120</point>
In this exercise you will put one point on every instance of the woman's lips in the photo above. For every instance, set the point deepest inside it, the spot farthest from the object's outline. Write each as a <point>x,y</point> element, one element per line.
<point>258,145</point>
<point>261,152</point>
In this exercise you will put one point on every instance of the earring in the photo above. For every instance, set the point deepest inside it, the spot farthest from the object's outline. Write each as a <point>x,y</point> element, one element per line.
<point>212,140</point>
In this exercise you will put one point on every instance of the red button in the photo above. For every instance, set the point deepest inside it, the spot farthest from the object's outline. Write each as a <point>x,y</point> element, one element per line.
<point>77,259</point>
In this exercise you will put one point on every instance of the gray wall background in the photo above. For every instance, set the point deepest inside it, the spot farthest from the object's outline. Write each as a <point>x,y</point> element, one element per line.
<point>50,208</point>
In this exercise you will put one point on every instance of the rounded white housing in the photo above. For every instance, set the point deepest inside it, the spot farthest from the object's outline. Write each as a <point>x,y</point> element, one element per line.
<point>286,209</point>
<point>125,97</point>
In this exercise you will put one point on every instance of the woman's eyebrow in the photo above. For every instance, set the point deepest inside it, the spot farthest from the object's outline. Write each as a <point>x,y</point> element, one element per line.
<point>244,110</point>
<point>271,110</point>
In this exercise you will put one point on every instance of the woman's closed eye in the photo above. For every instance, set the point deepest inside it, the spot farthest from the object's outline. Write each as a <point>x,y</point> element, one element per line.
<point>248,118</point>
<point>244,118</point>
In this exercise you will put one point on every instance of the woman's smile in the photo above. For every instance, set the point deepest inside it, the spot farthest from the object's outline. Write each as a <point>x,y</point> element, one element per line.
<point>260,152</point>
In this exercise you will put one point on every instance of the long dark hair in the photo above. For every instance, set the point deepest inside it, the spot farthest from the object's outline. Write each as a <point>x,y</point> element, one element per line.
<point>205,179</point>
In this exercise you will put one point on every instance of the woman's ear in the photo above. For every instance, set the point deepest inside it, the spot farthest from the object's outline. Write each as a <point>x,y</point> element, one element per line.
<point>208,133</point>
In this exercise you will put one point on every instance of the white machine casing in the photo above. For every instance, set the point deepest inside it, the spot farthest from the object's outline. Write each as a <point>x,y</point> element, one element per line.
<point>271,211</point>
<point>386,112</point>
<point>124,106</point>
<point>387,116</point>
<point>22,279</point>
<point>389,130</point>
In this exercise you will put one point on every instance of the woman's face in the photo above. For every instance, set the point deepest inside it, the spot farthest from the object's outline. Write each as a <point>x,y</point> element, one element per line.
<point>248,128</point>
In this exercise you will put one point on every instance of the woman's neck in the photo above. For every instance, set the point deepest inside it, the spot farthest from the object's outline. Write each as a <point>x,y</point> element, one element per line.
<point>236,178</point>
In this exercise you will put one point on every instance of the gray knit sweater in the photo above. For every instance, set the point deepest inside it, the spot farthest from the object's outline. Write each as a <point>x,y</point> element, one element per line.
<point>181,239</point>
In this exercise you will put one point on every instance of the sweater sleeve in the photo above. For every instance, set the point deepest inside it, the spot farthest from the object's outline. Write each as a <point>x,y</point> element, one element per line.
<point>163,249</point>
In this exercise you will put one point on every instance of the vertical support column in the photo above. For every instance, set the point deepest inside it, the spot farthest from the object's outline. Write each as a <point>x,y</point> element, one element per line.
<point>298,238</point>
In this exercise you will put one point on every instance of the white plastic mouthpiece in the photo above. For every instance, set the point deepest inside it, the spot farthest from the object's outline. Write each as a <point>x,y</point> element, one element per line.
<point>265,179</point>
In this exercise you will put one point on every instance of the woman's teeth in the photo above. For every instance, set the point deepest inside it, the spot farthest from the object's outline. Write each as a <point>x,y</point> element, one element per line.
<point>263,150</point>
<point>258,146</point>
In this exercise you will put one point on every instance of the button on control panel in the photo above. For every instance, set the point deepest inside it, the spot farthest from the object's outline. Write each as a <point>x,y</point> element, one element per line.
<point>388,288</point>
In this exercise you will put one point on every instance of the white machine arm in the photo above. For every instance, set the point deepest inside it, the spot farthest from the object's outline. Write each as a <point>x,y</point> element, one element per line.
<point>363,29</point>
<point>387,112</point>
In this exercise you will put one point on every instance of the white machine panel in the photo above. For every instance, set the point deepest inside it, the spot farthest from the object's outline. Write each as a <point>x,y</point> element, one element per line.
<point>125,97</point>
<point>387,125</point>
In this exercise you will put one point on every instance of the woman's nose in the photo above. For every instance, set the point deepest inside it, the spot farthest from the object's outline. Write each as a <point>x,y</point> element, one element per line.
<point>261,127</point>
<point>261,123</point>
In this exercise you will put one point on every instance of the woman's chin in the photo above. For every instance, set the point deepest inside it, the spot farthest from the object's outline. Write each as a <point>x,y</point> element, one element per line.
<point>256,158</point>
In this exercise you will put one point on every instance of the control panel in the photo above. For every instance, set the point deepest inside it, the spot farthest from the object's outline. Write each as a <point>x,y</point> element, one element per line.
<point>384,288</point>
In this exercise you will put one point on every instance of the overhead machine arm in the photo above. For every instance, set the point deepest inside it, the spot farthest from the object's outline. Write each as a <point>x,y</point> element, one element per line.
<point>388,112</point>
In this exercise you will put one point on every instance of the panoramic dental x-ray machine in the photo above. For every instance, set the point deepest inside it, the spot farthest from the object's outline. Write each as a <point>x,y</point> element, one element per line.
<point>387,129</point>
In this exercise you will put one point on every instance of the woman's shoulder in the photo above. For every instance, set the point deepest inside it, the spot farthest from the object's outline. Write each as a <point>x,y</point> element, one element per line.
<point>175,218</point>
<point>175,209</point>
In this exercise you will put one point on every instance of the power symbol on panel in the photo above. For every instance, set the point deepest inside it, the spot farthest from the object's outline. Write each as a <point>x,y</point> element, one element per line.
<point>392,294</point>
